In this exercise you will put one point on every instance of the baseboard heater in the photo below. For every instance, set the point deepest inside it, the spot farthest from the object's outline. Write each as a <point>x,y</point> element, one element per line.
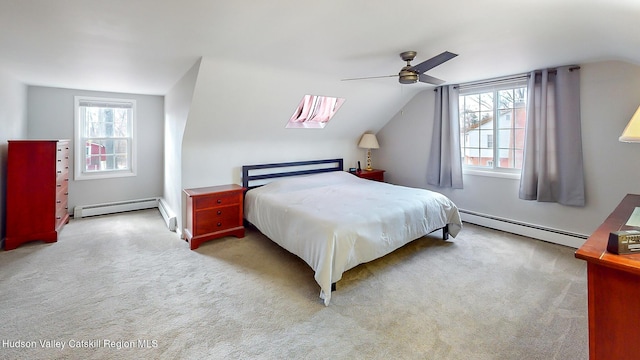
<point>168,216</point>
<point>555,236</point>
<point>114,207</point>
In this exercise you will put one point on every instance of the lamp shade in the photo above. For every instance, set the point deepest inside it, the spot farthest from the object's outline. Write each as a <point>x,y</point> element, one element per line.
<point>368,141</point>
<point>632,132</point>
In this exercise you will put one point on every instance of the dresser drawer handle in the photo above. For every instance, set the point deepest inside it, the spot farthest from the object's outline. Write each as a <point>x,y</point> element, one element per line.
<point>58,201</point>
<point>219,212</point>
<point>219,224</point>
<point>219,201</point>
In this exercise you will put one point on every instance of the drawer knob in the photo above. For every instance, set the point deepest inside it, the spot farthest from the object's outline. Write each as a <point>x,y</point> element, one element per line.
<point>219,212</point>
<point>219,201</point>
<point>219,224</point>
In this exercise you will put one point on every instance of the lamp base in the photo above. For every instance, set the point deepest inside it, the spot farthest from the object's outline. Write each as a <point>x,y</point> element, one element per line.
<point>369,168</point>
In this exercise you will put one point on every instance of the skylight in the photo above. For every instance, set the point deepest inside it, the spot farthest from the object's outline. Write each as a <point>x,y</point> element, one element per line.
<point>314,112</point>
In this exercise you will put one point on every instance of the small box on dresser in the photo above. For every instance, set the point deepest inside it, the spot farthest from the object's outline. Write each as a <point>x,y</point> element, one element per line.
<point>37,191</point>
<point>214,212</point>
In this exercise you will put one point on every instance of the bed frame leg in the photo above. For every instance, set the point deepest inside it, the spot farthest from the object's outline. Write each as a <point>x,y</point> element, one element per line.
<point>445,232</point>
<point>333,286</point>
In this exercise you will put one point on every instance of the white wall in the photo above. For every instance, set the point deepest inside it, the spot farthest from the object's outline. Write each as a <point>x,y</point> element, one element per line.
<point>177,105</point>
<point>610,94</point>
<point>13,122</point>
<point>238,116</point>
<point>51,116</point>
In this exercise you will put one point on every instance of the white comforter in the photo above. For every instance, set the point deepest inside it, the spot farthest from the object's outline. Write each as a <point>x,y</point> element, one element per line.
<point>335,221</point>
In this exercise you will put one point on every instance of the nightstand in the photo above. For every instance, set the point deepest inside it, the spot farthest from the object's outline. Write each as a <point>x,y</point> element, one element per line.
<point>214,212</point>
<point>375,174</point>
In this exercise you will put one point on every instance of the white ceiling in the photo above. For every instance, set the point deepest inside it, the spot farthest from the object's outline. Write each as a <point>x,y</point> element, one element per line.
<point>145,46</point>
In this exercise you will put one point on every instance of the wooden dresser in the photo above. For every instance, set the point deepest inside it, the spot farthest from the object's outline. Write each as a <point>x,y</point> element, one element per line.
<point>214,212</point>
<point>37,191</point>
<point>613,290</point>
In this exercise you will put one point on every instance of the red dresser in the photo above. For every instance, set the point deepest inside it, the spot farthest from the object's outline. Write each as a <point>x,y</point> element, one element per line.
<point>37,191</point>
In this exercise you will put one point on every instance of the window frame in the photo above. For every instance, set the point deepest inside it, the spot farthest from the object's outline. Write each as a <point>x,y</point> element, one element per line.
<point>494,170</point>
<point>80,156</point>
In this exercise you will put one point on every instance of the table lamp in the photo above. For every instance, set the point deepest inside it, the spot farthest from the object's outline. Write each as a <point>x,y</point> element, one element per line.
<point>368,141</point>
<point>631,133</point>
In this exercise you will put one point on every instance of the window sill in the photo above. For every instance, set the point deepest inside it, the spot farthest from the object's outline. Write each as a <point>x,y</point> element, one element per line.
<point>489,173</point>
<point>103,175</point>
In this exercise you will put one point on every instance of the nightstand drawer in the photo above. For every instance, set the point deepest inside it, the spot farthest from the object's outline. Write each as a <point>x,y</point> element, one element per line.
<point>375,174</point>
<point>215,200</point>
<point>217,219</point>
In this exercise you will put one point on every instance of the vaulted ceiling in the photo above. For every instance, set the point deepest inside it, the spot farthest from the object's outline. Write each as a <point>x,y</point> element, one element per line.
<point>145,46</point>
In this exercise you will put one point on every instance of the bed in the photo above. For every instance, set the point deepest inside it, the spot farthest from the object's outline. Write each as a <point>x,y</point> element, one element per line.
<point>335,221</point>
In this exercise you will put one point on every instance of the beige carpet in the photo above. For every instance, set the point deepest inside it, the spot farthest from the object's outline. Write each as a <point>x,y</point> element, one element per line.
<point>123,286</point>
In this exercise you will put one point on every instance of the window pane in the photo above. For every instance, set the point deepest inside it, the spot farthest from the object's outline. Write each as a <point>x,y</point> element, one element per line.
<point>486,101</point>
<point>486,121</point>
<point>520,96</point>
<point>505,119</point>
<point>472,103</point>
<point>506,99</point>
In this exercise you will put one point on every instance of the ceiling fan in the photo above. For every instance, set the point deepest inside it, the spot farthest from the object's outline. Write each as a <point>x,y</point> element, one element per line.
<point>413,73</point>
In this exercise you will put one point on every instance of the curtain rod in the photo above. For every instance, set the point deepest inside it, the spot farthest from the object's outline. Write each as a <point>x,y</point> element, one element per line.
<point>504,79</point>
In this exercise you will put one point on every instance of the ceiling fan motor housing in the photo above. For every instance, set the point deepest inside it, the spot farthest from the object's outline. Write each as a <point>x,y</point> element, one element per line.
<point>406,76</point>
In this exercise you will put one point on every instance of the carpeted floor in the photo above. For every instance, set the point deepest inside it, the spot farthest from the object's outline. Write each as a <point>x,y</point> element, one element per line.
<point>123,286</point>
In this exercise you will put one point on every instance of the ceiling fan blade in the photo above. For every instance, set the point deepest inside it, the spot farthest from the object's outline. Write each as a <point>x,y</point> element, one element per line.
<point>371,77</point>
<point>433,62</point>
<point>430,80</point>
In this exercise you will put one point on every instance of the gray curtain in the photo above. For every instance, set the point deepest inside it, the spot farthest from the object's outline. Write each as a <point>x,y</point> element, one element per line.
<point>552,169</point>
<point>445,164</point>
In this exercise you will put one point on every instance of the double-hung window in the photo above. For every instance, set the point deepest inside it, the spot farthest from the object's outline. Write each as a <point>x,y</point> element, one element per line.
<point>104,138</point>
<point>492,124</point>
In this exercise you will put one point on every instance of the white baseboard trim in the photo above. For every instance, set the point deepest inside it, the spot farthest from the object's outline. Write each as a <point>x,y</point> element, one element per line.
<point>555,236</point>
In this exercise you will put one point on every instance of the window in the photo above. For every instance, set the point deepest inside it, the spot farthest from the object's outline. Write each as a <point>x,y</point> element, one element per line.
<point>492,123</point>
<point>314,112</point>
<point>104,138</point>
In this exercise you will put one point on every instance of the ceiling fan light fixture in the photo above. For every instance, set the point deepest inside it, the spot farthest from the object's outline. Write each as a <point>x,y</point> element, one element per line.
<point>407,77</point>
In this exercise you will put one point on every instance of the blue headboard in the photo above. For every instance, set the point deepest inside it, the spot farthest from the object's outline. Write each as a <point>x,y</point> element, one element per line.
<point>271,171</point>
